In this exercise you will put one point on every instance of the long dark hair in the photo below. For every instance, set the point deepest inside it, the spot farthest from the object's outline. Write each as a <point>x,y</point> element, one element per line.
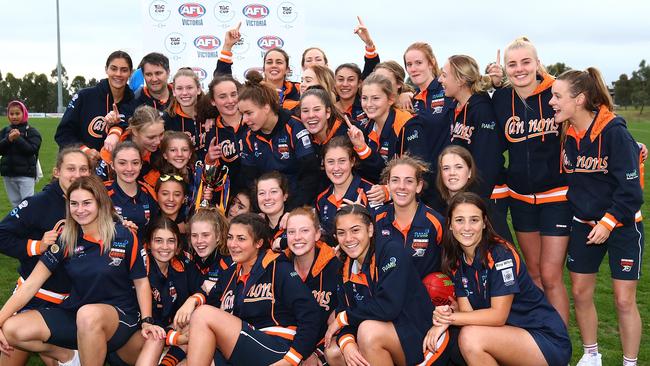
<point>164,223</point>
<point>362,212</point>
<point>257,227</point>
<point>452,253</point>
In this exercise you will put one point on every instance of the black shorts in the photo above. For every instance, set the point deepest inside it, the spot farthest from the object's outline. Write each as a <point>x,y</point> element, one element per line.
<point>550,219</point>
<point>255,347</point>
<point>624,246</point>
<point>556,349</point>
<point>62,324</point>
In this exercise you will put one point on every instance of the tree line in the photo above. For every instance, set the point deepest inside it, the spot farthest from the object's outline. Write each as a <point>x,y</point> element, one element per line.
<point>634,90</point>
<point>38,91</point>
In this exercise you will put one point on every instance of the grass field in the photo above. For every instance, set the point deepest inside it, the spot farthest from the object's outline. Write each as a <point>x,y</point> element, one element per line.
<point>639,126</point>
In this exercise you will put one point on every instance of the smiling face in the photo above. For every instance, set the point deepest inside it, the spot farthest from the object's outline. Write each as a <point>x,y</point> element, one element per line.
<point>225,98</point>
<point>275,67</point>
<point>314,114</point>
<point>521,67</point>
<point>313,57</point>
<point>467,224</point>
<point>270,197</point>
<point>155,76</point>
<point>164,245</point>
<point>346,84</point>
<point>170,197</point>
<point>178,153</point>
<point>564,105</point>
<point>150,136</point>
<point>449,81</point>
<point>203,238</point>
<point>353,235</point>
<point>118,72</point>
<point>308,79</point>
<point>419,68</point>
<point>375,102</point>
<point>83,207</point>
<point>186,91</point>
<point>403,185</point>
<point>74,165</point>
<point>239,205</point>
<point>455,172</point>
<point>338,165</point>
<point>301,235</point>
<point>242,246</point>
<point>127,165</point>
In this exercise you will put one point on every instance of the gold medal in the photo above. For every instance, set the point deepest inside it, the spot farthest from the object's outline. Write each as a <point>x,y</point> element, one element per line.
<point>54,248</point>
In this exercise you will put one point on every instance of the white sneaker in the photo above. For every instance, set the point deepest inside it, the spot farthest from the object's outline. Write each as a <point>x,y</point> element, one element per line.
<point>75,361</point>
<point>591,360</point>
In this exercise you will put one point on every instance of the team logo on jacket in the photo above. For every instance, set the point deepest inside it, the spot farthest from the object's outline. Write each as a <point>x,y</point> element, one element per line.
<point>228,151</point>
<point>260,292</point>
<point>585,164</point>
<point>97,127</point>
<point>323,298</point>
<point>303,137</point>
<point>437,105</point>
<point>392,263</point>
<point>117,253</point>
<point>255,14</point>
<point>517,130</point>
<point>172,292</point>
<point>191,12</point>
<point>461,131</point>
<point>420,243</point>
<point>627,264</point>
<point>270,42</point>
<point>228,301</point>
<point>207,46</point>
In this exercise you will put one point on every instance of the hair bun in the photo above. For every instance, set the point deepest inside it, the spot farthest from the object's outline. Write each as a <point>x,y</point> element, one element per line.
<point>253,77</point>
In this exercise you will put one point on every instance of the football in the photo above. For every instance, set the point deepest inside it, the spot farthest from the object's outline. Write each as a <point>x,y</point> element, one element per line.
<point>440,287</point>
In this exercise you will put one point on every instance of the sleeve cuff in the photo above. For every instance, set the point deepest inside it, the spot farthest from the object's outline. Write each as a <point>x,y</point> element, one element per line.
<point>225,56</point>
<point>363,152</point>
<point>172,338</point>
<point>199,298</point>
<point>84,148</point>
<point>608,221</point>
<point>115,131</point>
<point>34,247</point>
<point>371,52</point>
<point>345,341</point>
<point>293,357</point>
<point>342,319</point>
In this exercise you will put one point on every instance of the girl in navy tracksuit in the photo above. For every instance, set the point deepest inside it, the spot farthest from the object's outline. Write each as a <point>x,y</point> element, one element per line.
<point>276,141</point>
<point>29,229</point>
<point>601,160</point>
<point>133,200</point>
<point>271,192</point>
<point>346,186</point>
<point>181,113</point>
<point>408,220</point>
<point>173,280</point>
<point>540,213</point>
<point>383,309</point>
<point>107,269</point>
<point>456,173</point>
<point>261,312</point>
<point>316,264</point>
<point>502,313</point>
<point>99,111</point>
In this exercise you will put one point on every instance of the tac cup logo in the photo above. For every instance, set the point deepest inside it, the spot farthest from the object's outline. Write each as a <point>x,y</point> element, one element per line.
<point>175,43</point>
<point>159,11</point>
<point>287,12</point>
<point>241,46</point>
<point>223,11</point>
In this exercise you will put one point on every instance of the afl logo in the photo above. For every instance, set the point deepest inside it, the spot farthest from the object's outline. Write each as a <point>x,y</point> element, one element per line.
<point>269,42</point>
<point>96,127</point>
<point>256,11</point>
<point>207,43</point>
<point>200,73</point>
<point>191,10</point>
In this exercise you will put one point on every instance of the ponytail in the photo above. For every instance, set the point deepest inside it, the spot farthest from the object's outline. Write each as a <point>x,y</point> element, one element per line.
<point>591,84</point>
<point>259,92</point>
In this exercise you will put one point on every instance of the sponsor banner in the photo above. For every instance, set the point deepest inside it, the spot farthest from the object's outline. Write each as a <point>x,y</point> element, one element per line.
<point>191,34</point>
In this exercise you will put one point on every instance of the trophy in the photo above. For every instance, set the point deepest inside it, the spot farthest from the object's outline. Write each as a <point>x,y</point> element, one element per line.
<point>216,177</point>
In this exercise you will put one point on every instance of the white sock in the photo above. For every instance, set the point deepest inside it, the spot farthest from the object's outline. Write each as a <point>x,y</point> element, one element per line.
<point>590,349</point>
<point>629,361</point>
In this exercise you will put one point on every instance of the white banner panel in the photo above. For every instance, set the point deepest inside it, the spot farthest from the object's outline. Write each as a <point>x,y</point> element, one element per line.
<point>191,34</point>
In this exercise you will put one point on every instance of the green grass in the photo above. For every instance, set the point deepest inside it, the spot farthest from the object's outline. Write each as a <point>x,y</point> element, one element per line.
<point>639,126</point>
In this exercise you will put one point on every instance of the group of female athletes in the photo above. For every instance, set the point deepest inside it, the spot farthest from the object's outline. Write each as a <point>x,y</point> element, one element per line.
<point>334,198</point>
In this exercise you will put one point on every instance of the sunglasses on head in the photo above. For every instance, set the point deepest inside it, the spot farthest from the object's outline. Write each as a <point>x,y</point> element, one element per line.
<point>166,177</point>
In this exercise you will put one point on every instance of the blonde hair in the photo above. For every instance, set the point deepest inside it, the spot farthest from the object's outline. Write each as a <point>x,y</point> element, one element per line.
<point>426,49</point>
<point>305,211</point>
<point>144,116</point>
<point>325,79</point>
<point>398,73</point>
<point>383,82</point>
<point>466,70</point>
<point>105,215</point>
<point>523,42</point>
<point>421,167</point>
<point>219,224</point>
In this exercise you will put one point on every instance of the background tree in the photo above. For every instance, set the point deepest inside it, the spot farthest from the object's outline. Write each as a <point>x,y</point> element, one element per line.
<point>623,91</point>
<point>640,95</point>
<point>557,68</point>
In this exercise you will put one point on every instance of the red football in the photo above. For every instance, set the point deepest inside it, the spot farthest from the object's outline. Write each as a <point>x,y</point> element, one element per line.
<point>440,287</point>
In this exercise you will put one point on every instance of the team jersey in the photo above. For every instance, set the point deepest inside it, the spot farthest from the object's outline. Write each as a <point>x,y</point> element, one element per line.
<point>533,141</point>
<point>83,121</point>
<point>386,287</point>
<point>138,209</point>
<point>602,166</point>
<point>170,291</point>
<point>99,277</point>
<point>475,128</point>
<point>21,232</point>
<point>186,124</point>
<point>506,274</point>
<point>431,101</point>
<point>148,171</point>
<point>144,97</point>
<point>210,268</point>
<point>273,299</point>
<point>327,204</point>
<point>231,142</point>
<point>287,149</point>
<point>421,239</point>
<point>339,128</point>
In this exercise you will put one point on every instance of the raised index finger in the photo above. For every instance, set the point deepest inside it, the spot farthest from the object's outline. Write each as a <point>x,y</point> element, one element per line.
<point>117,113</point>
<point>499,57</point>
<point>238,25</point>
<point>347,121</point>
<point>360,21</point>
